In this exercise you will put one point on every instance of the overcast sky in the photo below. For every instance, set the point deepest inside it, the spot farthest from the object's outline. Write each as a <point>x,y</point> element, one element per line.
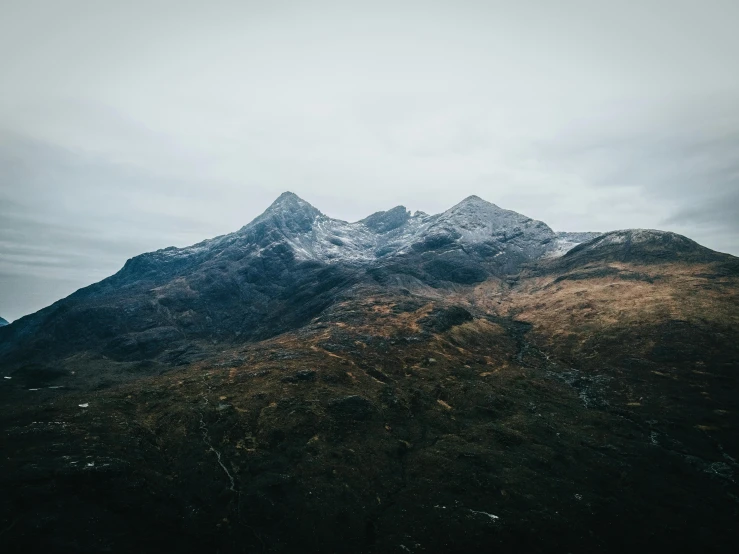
<point>131,126</point>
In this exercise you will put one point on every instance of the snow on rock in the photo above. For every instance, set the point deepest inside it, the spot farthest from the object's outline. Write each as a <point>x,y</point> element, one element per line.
<point>293,227</point>
<point>566,241</point>
<point>313,235</point>
<point>654,238</point>
<point>474,226</point>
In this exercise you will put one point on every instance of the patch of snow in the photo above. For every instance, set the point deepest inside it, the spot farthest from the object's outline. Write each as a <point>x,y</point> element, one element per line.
<point>311,235</point>
<point>491,516</point>
<point>472,221</point>
<point>634,236</point>
<point>566,241</point>
<point>85,405</point>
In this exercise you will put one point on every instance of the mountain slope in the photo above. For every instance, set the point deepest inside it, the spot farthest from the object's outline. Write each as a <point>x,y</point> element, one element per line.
<point>580,403</point>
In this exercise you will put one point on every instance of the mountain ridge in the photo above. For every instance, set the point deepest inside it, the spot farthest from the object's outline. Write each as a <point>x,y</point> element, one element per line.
<point>292,215</point>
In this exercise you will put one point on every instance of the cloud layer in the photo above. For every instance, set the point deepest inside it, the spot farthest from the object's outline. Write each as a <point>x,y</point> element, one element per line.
<point>126,127</point>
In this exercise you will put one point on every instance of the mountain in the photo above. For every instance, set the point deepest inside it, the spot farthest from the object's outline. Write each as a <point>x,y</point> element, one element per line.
<point>273,275</point>
<point>3,322</point>
<point>642,245</point>
<point>466,381</point>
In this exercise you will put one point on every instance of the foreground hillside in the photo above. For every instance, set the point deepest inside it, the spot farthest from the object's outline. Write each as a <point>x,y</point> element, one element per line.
<point>576,403</point>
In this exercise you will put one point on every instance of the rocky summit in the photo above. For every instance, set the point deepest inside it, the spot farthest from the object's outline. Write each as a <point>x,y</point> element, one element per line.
<point>459,382</point>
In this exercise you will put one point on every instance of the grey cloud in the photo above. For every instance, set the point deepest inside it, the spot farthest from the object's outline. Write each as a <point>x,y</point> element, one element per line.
<point>719,211</point>
<point>68,219</point>
<point>677,164</point>
<point>126,127</point>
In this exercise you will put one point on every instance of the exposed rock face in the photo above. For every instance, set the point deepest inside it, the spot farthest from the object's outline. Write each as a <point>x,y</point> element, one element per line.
<point>474,227</point>
<point>466,244</point>
<point>444,319</point>
<point>382,222</point>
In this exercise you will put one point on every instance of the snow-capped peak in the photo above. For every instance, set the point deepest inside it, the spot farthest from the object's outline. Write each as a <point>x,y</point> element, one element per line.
<point>474,226</point>
<point>289,202</point>
<point>473,199</point>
